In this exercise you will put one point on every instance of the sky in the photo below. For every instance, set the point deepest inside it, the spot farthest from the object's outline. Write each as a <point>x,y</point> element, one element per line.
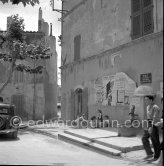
<point>30,16</point>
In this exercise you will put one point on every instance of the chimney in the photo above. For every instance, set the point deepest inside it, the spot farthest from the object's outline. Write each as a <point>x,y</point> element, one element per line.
<point>40,13</point>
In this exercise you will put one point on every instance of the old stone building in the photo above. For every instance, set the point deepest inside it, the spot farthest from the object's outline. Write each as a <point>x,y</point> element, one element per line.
<point>35,95</point>
<point>109,48</point>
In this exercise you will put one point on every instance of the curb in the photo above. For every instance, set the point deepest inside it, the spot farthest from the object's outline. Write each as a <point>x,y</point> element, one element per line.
<point>98,148</point>
<point>57,137</point>
<point>94,146</point>
<point>110,145</point>
<point>42,132</point>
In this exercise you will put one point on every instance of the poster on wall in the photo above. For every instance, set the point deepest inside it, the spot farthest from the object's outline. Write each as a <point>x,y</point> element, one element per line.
<point>103,87</point>
<point>114,89</point>
<point>98,83</point>
<point>120,96</point>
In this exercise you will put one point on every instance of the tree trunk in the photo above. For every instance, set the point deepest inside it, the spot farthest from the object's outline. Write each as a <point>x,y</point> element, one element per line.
<point>9,76</point>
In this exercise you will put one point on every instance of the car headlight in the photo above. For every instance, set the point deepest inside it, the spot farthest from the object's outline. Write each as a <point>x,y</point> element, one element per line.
<point>15,121</point>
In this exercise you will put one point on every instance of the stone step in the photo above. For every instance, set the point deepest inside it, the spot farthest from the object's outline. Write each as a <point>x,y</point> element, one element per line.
<point>92,145</point>
<point>123,144</point>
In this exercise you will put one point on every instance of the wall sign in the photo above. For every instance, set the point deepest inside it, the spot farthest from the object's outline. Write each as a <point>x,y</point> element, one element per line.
<point>146,78</point>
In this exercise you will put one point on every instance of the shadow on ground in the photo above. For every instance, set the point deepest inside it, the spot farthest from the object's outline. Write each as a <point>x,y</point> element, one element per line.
<point>5,138</point>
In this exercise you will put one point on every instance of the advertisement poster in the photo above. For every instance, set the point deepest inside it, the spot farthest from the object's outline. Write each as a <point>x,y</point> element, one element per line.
<point>120,96</point>
<point>113,89</point>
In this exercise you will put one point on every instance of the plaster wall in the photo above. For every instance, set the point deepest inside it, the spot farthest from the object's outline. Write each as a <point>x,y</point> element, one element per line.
<point>143,56</point>
<point>103,25</point>
<point>45,88</point>
<point>50,80</point>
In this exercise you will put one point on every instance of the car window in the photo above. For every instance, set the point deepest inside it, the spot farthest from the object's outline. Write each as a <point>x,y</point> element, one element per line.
<point>3,111</point>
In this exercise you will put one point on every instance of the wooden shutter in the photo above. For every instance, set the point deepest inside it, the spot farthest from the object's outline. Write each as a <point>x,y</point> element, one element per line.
<point>147,3</point>
<point>77,46</point>
<point>136,18</point>
<point>85,102</point>
<point>148,26</point>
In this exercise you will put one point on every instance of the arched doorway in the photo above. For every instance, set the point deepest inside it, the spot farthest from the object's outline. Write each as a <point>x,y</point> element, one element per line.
<point>79,102</point>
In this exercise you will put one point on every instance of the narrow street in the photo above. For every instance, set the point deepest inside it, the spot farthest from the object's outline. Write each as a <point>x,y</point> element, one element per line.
<point>37,149</point>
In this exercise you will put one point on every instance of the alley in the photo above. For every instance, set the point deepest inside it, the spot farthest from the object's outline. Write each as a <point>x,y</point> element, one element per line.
<point>36,149</point>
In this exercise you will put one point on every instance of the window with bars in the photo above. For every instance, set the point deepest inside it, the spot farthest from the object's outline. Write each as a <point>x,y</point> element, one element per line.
<point>142,18</point>
<point>77,47</point>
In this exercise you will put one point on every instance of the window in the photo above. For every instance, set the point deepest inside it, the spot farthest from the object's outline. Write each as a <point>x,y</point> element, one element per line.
<point>142,18</point>
<point>77,46</point>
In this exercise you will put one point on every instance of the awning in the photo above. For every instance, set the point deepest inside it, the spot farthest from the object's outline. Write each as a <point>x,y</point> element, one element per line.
<point>144,90</point>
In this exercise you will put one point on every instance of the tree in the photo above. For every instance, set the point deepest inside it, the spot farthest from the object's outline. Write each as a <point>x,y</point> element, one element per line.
<point>24,2</point>
<point>13,49</point>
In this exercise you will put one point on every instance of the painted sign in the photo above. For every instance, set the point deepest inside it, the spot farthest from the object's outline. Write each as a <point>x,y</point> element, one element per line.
<point>146,78</point>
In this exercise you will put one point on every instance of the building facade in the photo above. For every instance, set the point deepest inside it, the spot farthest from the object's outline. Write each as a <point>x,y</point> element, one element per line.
<point>35,95</point>
<point>109,48</point>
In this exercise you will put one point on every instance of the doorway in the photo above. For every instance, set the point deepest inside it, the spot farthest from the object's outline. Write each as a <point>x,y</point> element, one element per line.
<point>78,102</point>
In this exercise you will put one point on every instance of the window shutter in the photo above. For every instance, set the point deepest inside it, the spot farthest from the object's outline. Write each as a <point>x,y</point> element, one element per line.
<point>77,46</point>
<point>136,6</point>
<point>148,26</point>
<point>147,3</point>
<point>136,19</point>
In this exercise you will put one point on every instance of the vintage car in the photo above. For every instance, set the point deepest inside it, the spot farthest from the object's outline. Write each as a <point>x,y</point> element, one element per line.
<point>9,123</point>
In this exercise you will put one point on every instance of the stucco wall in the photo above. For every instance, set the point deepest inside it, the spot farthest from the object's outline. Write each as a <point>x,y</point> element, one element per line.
<point>107,49</point>
<point>50,80</point>
<point>102,24</point>
<point>45,95</point>
<point>135,58</point>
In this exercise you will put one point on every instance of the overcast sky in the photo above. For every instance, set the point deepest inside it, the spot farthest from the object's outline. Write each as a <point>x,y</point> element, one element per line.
<point>30,16</point>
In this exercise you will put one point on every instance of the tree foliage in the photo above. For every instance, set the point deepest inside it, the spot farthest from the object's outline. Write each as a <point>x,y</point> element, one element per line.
<point>24,2</point>
<point>14,48</point>
<point>15,31</point>
<point>15,28</point>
